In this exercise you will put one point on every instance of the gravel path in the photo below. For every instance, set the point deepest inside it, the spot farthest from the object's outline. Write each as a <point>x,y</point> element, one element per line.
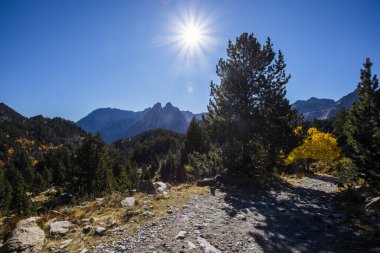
<point>285,219</point>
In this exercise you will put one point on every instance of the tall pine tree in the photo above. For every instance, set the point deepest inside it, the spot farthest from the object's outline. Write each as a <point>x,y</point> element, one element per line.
<point>196,140</point>
<point>362,126</point>
<point>20,202</point>
<point>248,112</point>
<point>95,173</point>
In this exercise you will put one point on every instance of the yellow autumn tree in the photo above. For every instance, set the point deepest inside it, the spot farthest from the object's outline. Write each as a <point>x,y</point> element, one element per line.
<point>317,146</point>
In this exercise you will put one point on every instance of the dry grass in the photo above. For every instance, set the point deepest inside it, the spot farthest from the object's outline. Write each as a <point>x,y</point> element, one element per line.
<point>110,212</point>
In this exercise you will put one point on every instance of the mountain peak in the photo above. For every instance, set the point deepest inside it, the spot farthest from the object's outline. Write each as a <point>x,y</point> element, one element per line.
<point>157,106</point>
<point>168,105</point>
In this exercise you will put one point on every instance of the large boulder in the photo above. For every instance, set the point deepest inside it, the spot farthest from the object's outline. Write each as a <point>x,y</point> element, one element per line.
<point>26,237</point>
<point>128,202</point>
<point>60,228</point>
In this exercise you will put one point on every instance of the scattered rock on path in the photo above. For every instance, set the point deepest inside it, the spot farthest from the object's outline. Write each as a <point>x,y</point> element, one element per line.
<point>128,202</point>
<point>60,228</point>
<point>26,237</point>
<point>207,247</point>
<point>181,235</point>
<point>191,245</point>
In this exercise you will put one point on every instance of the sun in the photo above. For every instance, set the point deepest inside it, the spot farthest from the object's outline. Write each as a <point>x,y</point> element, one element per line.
<point>192,35</point>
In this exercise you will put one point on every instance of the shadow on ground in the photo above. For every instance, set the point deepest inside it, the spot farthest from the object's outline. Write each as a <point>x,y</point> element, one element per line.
<point>296,219</point>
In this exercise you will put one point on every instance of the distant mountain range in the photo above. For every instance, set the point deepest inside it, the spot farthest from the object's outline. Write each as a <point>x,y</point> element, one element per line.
<point>323,108</point>
<point>115,124</point>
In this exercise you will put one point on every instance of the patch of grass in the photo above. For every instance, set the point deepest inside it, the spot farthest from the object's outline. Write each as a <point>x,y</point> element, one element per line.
<point>109,210</point>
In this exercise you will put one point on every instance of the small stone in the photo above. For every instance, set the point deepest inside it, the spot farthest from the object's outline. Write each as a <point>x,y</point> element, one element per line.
<point>191,245</point>
<point>169,211</point>
<point>181,235</point>
<point>207,247</point>
<point>128,202</point>
<point>241,217</point>
<point>60,228</point>
<point>100,230</point>
<point>85,220</point>
<point>87,229</point>
<point>147,213</point>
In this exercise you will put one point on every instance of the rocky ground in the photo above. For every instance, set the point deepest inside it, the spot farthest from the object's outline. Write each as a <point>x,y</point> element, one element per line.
<point>287,218</point>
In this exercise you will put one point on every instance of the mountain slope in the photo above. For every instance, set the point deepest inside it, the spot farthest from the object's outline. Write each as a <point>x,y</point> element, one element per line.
<point>56,131</point>
<point>316,108</point>
<point>115,124</point>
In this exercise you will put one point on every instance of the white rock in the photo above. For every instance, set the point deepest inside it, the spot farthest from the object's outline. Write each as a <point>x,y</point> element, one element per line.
<point>128,202</point>
<point>181,235</point>
<point>26,237</point>
<point>147,213</point>
<point>100,230</point>
<point>207,247</point>
<point>60,228</point>
<point>161,187</point>
<point>191,245</point>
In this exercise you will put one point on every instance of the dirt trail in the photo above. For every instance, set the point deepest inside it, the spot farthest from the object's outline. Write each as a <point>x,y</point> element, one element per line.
<point>289,218</point>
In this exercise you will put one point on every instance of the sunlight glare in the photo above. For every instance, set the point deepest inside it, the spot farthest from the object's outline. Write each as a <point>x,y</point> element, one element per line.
<point>192,35</point>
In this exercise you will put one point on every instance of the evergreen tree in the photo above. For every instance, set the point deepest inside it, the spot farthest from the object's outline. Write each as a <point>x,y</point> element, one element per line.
<point>20,203</point>
<point>95,174</point>
<point>122,178</point>
<point>6,196</point>
<point>196,140</point>
<point>338,129</point>
<point>248,112</point>
<point>24,165</point>
<point>39,183</point>
<point>362,126</point>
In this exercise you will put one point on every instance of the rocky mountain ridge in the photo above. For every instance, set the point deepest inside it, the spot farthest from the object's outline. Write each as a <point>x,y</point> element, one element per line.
<point>115,124</point>
<point>323,108</point>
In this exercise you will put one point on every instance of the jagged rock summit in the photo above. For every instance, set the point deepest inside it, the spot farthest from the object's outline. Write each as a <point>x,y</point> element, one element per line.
<point>114,124</point>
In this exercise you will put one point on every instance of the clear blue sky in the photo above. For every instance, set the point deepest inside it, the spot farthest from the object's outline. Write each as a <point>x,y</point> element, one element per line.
<point>67,58</point>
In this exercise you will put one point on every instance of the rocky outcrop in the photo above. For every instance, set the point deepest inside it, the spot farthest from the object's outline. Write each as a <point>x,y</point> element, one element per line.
<point>26,237</point>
